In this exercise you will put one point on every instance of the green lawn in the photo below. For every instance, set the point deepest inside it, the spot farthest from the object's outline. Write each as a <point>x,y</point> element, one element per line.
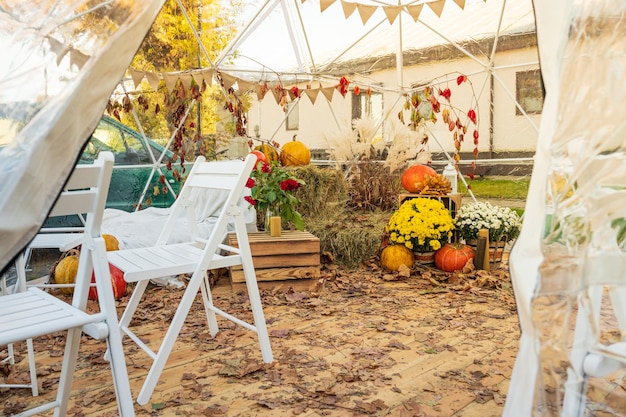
<point>515,188</point>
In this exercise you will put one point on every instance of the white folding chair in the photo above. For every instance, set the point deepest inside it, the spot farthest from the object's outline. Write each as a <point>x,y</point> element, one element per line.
<point>196,258</point>
<point>34,312</point>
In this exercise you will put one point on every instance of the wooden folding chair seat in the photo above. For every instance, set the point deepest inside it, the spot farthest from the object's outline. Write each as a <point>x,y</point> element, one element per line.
<point>33,312</point>
<point>195,257</point>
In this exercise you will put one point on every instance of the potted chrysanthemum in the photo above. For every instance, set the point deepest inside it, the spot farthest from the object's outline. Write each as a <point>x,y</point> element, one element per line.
<point>503,223</point>
<point>421,224</point>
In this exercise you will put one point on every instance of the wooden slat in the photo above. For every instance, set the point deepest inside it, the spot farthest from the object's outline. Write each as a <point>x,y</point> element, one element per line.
<point>279,260</point>
<point>278,274</point>
<point>291,241</point>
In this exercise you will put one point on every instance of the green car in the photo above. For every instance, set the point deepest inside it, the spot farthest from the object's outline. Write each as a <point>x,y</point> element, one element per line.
<point>134,182</point>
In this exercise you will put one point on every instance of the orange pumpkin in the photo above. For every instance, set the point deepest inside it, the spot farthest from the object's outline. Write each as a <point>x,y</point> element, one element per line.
<point>270,152</point>
<point>110,242</point>
<point>260,157</point>
<point>453,256</point>
<point>65,269</point>
<point>414,175</point>
<point>117,280</point>
<point>295,153</point>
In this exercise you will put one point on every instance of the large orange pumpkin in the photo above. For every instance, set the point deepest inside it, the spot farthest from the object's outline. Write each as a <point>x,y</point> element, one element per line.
<point>295,153</point>
<point>270,152</point>
<point>117,280</point>
<point>413,176</point>
<point>65,269</point>
<point>453,256</point>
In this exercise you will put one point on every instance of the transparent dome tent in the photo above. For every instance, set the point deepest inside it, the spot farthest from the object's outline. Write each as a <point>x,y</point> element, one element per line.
<point>567,266</point>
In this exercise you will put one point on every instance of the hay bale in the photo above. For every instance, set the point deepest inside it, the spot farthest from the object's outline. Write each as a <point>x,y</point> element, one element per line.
<point>324,186</point>
<point>351,237</point>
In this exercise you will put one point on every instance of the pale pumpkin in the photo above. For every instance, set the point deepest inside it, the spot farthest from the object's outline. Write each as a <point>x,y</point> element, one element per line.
<point>295,153</point>
<point>393,256</point>
<point>65,269</point>
<point>111,242</point>
<point>413,177</point>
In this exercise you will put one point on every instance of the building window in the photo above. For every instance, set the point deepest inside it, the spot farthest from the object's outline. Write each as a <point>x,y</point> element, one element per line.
<point>293,118</point>
<point>367,105</point>
<point>529,92</point>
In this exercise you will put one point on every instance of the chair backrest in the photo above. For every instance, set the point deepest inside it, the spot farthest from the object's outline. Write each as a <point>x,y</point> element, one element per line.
<point>82,195</point>
<point>229,176</point>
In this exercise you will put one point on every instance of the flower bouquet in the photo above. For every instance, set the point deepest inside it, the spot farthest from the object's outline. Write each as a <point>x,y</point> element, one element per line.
<point>420,224</point>
<point>271,193</point>
<point>504,224</point>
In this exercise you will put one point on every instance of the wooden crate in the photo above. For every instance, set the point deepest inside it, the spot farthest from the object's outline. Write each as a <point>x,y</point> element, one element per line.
<point>293,255</point>
<point>451,201</point>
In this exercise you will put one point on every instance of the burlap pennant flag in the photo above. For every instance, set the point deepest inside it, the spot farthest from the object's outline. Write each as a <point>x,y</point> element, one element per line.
<point>328,92</point>
<point>186,80</point>
<point>366,12</point>
<point>415,11</point>
<point>460,3</point>
<point>78,58</point>
<point>170,81</point>
<point>58,48</point>
<point>244,85</point>
<point>312,93</point>
<point>207,76</point>
<point>437,6</point>
<point>153,80</point>
<point>278,92</point>
<point>136,76</point>
<point>348,8</point>
<point>324,4</point>
<point>392,12</point>
<point>228,80</point>
<point>261,89</point>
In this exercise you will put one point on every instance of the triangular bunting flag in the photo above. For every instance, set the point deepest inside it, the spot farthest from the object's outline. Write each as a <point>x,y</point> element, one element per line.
<point>312,93</point>
<point>437,6</point>
<point>228,80</point>
<point>207,76</point>
<point>328,92</point>
<point>136,76</point>
<point>366,12</point>
<point>170,81</point>
<point>244,85</point>
<point>324,4</point>
<point>278,92</point>
<point>392,12</point>
<point>261,90</point>
<point>153,80</point>
<point>348,8</point>
<point>186,80</point>
<point>460,3</point>
<point>78,58</point>
<point>415,11</point>
<point>58,48</point>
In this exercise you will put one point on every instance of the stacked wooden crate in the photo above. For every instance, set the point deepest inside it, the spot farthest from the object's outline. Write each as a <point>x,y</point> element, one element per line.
<point>293,255</point>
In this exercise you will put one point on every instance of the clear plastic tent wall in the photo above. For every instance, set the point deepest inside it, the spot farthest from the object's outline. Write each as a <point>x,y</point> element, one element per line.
<point>60,62</point>
<point>569,266</point>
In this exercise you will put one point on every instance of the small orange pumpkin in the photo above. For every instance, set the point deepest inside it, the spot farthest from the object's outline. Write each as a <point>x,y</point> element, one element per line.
<point>453,256</point>
<point>295,153</point>
<point>413,177</point>
<point>110,242</point>
<point>65,269</point>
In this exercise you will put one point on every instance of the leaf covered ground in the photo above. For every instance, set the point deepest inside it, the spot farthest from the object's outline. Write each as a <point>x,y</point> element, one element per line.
<point>358,342</point>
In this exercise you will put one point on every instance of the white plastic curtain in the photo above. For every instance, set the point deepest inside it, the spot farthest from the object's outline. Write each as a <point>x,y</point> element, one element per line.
<point>60,63</point>
<point>569,264</point>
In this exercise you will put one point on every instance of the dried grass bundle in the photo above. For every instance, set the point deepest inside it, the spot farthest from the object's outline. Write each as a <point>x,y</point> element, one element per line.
<point>407,147</point>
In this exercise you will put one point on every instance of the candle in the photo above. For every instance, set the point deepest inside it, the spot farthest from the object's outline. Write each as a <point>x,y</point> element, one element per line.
<point>275,226</point>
